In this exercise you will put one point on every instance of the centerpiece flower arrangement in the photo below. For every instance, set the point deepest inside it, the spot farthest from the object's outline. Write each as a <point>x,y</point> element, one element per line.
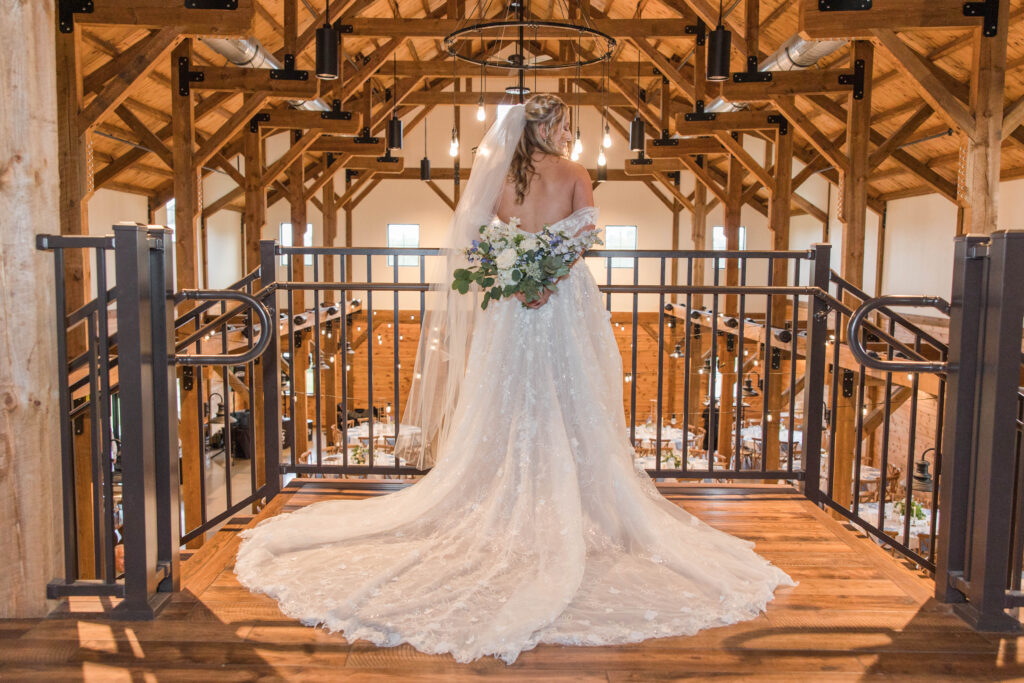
<point>509,260</point>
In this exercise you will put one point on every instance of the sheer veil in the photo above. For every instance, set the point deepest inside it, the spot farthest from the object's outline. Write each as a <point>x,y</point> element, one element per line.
<point>449,317</point>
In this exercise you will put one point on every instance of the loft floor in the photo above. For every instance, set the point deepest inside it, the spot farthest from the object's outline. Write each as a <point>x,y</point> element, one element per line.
<point>857,613</point>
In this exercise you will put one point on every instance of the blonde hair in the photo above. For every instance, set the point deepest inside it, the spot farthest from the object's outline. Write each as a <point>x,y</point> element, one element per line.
<point>540,109</point>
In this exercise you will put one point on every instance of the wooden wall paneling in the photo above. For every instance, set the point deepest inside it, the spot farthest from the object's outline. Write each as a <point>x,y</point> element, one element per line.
<point>75,190</point>
<point>187,210</point>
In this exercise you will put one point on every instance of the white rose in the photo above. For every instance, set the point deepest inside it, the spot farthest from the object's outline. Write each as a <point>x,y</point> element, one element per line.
<point>506,259</point>
<point>529,244</point>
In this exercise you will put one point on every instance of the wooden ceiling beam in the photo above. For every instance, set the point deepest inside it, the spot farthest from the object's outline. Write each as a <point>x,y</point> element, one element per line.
<point>144,60</point>
<point>439,28</point>
<point>901,135</point>
<point>160,13</point>
<point>443,68</point>
<point>897,15</point>
<point>927,83</point>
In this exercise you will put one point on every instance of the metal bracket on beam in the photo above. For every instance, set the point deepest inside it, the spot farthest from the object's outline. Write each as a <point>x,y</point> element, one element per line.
<point>666,142</point>
<point>336,114</point>
<point>843,5</point>
<point>351,173</point>
<point>289,72</point>
<point>66,11</point>
<point>187,377</point>
<point>699,29</point>
<point>254,122</point>
<point>856,79</point>
<point>365,139</point>
<point>989,11</point>
<point>752,75</point>
<point>847,383</point>
<point>641,160</point>
<point>781,122</point>
<point>388,159</point>
<point>343,28</point>
<point>185,76</point>
<point>211,4</point>
<point>699,114</point>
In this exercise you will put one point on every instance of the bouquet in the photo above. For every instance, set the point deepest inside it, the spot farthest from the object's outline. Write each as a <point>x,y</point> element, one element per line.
<point>512,261</point>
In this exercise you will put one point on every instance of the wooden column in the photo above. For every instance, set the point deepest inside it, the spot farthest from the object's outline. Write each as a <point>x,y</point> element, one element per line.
<point>674,335</point>
<point>330,379</point>
<point>32,201</point>
<point>728,372</point>
<point>255,216</point>
<point>981,188</point>
<point>854,217</point>
<point>300,362</point>
<point>187,210</point>
<point>75,188</point>
<point>698,232</point>
<point>778,217</point>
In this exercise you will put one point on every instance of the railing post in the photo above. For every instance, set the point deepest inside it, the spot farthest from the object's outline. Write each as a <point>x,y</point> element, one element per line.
<point>138,462</point>
<point>995,437</point>
<point>967,300</point>
<point>165,394</point>
<point>271,373</point>
<point>814,371</point>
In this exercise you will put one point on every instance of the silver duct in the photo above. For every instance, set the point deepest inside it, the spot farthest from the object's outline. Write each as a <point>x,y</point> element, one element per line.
<point>250,53</point>
<point>793,55</point>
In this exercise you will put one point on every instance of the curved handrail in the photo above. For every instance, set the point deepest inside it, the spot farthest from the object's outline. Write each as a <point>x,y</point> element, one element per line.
<point>861,354</point>
<point>258,347</point>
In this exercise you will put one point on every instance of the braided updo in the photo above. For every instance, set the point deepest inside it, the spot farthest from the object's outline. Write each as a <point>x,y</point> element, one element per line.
<point>540,109</point>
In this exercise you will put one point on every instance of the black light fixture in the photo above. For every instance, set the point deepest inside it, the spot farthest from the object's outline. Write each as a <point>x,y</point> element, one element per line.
<point>748,386</point>
<point>677,352</point>
<point>425,162</point>
<point>922,479</point>
<point>395,123</point>
<point>719,46</point>
<point>327,39</point>
<point>636,127</point>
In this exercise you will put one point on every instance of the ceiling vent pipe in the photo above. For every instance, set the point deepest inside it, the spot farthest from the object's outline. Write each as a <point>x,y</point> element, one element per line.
<point>793,55</point>
<point>250,53</point>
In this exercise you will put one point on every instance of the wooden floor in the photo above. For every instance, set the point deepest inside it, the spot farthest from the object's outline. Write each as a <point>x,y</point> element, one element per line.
<point>857,613</point>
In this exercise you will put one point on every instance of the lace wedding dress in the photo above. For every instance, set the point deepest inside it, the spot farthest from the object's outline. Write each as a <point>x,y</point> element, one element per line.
<point>534,527</point>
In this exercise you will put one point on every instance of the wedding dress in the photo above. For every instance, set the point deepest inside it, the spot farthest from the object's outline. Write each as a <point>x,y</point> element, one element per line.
<point>538,525</point>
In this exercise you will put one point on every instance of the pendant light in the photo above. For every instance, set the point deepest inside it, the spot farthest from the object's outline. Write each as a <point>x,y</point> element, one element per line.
<point>636,127</point>
<point>606,141</point>
<point>577,146</point>
<point>395,124</point>
<point>719,46</point>
<point>453,148</point>
<point>425,161</point>
<point>481,113</point>
<point>327,48</point>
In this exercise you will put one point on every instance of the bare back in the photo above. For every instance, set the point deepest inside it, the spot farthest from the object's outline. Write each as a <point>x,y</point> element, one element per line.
<point>559,188</point>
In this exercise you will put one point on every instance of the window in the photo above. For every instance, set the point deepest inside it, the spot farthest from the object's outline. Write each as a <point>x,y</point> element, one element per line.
<point>718,242</point>
<point>620,237</point>
<point>403,235</point>
<point>169,220</point>
<point>286,241</point>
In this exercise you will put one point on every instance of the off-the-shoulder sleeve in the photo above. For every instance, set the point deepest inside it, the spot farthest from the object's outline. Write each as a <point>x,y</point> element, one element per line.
<point>581,217</point>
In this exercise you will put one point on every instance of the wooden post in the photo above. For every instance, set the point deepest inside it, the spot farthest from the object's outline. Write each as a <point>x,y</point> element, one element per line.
<point>729,374</point>
<point>854,216</point>
<point>779,214</point>
<point>678,326</point>
<point>981,188</point>
<point>698,232</point>
<point>255,216</point>
<point>33,199</point>
<point>330,343</point>
<point>186,215</point>
<point>300,361</point>
<point>75,187</point>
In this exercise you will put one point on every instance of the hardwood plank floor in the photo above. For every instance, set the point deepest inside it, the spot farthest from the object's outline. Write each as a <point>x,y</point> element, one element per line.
<point>856,614</point>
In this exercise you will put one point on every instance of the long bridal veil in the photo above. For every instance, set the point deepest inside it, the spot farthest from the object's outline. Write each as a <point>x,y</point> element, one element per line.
<point>449,317</point>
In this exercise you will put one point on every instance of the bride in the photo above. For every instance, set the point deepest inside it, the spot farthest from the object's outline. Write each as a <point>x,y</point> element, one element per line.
<point>533,524</point>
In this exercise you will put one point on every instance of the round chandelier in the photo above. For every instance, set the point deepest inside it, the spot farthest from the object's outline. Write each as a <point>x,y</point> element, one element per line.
<point>518,30</point>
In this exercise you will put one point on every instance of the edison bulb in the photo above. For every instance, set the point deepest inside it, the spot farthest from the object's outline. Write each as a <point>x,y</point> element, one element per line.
<point>575,156</point>
<point>607,140</point>
<point>601,159</point>
<point>577,147</point>
<point>481,113</point>
<point>453,150</point>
